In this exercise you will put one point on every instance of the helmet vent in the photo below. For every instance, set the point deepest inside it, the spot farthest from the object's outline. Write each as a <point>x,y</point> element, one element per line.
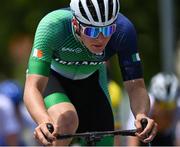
<point>110,15</point>
<point>95,12</point>
<point>92,10</point>
<point>102,9</point>
<point>82,11</point>
<point>117,8</point>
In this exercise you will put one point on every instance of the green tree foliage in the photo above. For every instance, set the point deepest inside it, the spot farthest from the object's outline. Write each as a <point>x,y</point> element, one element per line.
<point>18,17</point>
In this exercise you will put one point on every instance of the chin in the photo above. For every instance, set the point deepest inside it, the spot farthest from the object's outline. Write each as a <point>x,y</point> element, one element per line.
<point>97,49</point>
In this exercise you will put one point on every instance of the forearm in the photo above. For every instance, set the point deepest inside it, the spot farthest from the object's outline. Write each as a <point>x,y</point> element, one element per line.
<point>140,105</point>
<point>35,105</point>
<point>34,102</point>
<point>139,99</point>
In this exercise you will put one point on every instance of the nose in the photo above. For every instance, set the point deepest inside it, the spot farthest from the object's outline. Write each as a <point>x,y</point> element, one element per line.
<point>101,36</point>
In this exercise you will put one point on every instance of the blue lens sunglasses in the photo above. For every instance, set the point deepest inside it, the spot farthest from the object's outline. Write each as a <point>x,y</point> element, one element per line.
<point>93,32</point>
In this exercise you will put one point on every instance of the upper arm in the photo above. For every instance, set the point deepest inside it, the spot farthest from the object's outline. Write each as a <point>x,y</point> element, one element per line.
<point>128,54</point>
<point>36,81</point>
<point>42,50</point>
<point>49,36</point>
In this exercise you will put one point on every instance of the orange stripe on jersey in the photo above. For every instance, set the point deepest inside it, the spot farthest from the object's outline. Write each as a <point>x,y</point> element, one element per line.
<point>39,53</point>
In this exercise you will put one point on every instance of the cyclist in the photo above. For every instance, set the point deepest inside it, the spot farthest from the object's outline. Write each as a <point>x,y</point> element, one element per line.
<point>164,93</point>
<point>66,79</point>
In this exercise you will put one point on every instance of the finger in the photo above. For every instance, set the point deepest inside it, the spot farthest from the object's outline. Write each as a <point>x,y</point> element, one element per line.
<point>41,138</point>
<point>139,129</point>
<point>138,126</point>
<point>152,134</point>
<point>140,137</point>
<point>46,132</point>
<point>148,128</point>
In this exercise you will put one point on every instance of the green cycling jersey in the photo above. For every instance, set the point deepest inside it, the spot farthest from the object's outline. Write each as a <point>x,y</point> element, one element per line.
<point>57,47</point>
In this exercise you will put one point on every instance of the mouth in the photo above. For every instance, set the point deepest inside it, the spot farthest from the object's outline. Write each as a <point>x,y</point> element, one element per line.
<point>98,46</point>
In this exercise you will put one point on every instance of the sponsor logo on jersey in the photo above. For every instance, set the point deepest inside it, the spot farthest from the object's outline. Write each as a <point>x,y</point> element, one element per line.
<point>75,50</point>
<point>38,53</point>
<point>79,62</point>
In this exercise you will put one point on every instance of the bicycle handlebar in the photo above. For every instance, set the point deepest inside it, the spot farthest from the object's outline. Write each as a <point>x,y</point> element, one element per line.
<point>98,134</point>
<point>144,123</point>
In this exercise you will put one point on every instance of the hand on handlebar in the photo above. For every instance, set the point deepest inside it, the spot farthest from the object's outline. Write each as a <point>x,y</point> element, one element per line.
<point>42,134</point>
<point>145,132</point>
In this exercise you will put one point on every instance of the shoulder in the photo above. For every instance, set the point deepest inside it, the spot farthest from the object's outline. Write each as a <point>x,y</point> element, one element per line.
<point>54,23</point>
<point>124,24</point>
<point>60,14</point>
<point>125,33</point>
<point>53,18</point>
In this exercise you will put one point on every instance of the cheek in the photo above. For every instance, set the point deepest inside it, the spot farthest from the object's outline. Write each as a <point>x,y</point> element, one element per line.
<point>86,39</point>
<point>105,41</point>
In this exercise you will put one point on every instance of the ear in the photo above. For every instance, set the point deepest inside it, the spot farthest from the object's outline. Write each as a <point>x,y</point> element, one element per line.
<point>75,23</point>
<point>76,26</point>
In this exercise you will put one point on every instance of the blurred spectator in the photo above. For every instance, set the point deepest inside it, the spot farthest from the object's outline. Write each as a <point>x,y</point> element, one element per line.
<point>116,99</point>
<point>9,126</point>
<point>14,116</point>
<point>164,93</point>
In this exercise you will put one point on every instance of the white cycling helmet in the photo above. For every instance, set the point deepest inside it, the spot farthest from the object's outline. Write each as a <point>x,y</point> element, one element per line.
<point>95,12</point>
<point>164,87</point>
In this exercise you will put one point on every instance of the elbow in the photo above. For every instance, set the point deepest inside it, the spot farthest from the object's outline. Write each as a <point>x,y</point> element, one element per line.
<point>25,97</point>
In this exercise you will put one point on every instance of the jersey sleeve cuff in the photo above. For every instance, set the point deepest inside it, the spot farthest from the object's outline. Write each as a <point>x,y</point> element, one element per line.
<point>132,72</point>
<point>39,67</point>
